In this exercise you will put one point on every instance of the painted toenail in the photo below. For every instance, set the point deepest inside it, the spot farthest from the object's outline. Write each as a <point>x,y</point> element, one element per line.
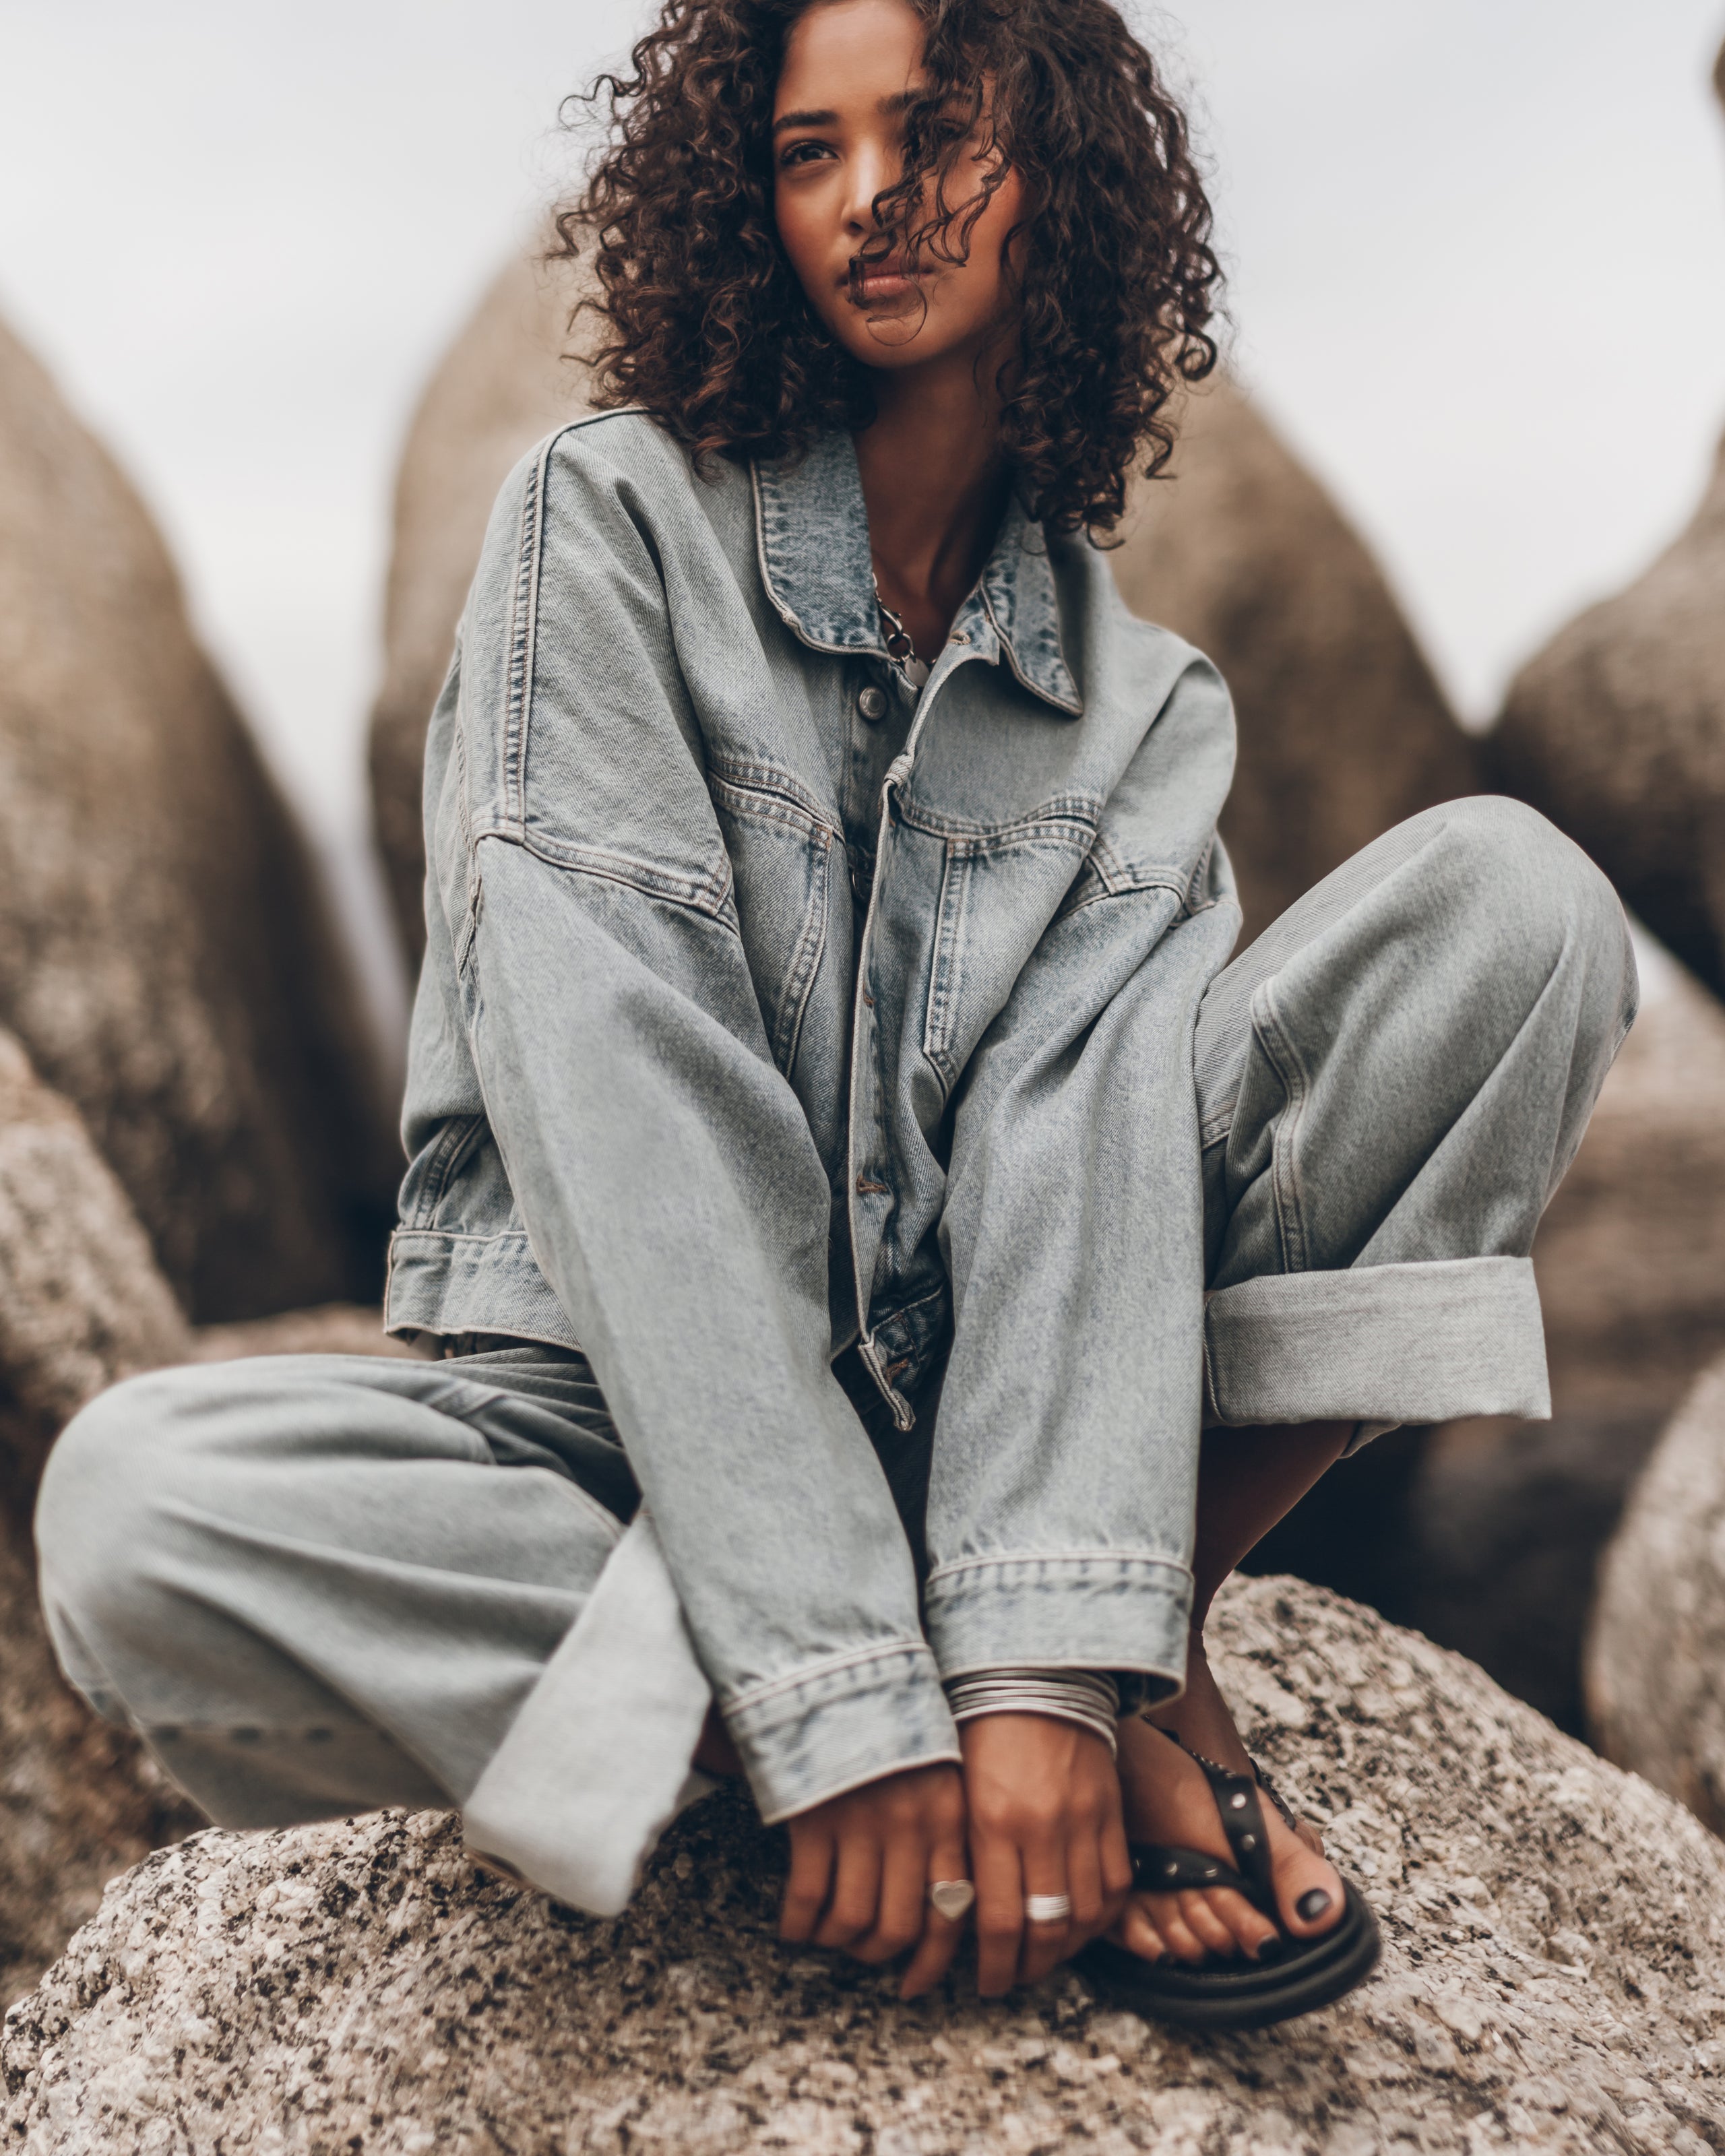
<point>1311,1907</point>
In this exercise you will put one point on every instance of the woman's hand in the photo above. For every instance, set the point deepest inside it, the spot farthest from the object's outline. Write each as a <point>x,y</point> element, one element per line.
<point>1043,1806</point>
<point>862,1865</point>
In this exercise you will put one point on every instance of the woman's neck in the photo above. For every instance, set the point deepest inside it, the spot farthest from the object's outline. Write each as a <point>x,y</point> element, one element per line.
<point>935,482</point>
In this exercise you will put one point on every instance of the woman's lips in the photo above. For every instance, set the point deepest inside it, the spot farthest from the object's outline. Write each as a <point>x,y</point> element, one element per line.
<point>870,282</point>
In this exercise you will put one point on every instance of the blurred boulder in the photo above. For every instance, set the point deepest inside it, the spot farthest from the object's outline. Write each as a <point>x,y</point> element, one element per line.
<point>165,958</point>
<point>1485,1534</point>
<point>1553,1982</point>
<point>502,385</point>
<point>83,1303</point>
<point>1343,731</point>
<point>1655,1653</point>
<point>1617,730</point>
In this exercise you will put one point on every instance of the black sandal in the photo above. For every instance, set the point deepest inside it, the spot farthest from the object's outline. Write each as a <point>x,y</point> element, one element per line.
<point>1290,1976</point>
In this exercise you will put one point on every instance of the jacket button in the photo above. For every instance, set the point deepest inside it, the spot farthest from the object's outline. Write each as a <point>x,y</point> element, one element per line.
<point>872,704</point>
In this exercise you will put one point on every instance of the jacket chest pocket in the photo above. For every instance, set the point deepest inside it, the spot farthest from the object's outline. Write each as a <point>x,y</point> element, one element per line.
<point>781,850</point>
<point>997,895</point>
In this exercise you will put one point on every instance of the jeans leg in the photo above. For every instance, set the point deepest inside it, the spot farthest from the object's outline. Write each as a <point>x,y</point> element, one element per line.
<point>1392,1082</point>
<point>310,1582</point>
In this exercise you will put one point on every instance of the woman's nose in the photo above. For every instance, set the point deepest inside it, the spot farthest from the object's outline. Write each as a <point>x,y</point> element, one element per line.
<point>870,174</point>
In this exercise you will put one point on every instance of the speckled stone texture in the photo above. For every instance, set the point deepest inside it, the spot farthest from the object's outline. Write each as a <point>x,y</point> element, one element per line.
<point>1554,1980</point>
<point>1343,729</point>
<point>1655,1656</point>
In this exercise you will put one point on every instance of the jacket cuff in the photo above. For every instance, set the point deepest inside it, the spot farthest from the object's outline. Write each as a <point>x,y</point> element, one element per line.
<point>806,1738</point>
<point>1378,1345</point>
<point>1118,1610</point>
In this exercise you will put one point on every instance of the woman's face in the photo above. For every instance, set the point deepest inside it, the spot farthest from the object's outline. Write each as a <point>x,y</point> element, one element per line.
<point>849,66</point>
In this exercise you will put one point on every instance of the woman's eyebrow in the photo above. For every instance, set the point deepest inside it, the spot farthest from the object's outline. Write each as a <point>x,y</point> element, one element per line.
<point>901,101</point>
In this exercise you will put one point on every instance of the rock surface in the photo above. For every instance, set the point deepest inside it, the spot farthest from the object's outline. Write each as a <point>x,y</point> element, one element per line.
<point>1554,1980</point>
<point>164,956</point>
<point>1655,1658</point>
<point>1617,730</point>
<point>82,1302</point>
<point>1343,730</point>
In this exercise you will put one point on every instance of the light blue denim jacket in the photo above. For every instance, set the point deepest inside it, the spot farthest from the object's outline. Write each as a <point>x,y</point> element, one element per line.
<point>769,1008</point>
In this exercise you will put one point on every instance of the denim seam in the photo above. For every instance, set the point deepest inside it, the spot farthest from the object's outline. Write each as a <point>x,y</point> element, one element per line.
<point>523,620</point>
<point>710,896</point>
<point>753,777</point>
<point>914,1650</point>
<point>1053,818</point>
<point>1285,1060</point>
<point>1135,1559</point>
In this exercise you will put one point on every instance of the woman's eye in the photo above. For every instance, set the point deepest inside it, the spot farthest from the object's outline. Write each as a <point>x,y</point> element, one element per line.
<point>803,153</point>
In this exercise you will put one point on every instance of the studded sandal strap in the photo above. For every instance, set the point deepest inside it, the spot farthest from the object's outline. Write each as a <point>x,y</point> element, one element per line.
<point>1242,1817</point>
<point>1275,1797</point>
<point>1160,1869</point>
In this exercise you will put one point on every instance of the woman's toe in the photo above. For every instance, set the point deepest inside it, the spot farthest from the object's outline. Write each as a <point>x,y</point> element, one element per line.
<point>1308,1891</point>
<point>1137,1933</point>
<point>1204,1921</point>
<point>1251,1930</point>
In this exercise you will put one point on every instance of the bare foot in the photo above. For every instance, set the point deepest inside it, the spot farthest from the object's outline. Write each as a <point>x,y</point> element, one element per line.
<point>1169,1801</point>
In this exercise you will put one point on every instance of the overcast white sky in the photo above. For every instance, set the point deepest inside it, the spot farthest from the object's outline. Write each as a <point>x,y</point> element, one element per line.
<point>1478,252</point>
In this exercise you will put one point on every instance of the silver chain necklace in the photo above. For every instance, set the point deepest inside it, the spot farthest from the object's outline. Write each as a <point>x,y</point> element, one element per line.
<point>900,648</point>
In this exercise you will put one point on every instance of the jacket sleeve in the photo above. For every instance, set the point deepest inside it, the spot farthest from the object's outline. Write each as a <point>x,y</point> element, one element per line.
<point>1063,1478</point>
<point>670,1187</point>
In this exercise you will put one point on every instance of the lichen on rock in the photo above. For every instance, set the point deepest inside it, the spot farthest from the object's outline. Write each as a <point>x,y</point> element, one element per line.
<point>1553,1978</point>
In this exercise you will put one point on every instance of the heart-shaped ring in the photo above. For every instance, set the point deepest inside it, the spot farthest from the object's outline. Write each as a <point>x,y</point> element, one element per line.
<point>952,1898</point>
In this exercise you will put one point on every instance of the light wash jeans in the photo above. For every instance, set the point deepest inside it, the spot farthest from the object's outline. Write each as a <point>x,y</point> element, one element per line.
<point>318,1584</point>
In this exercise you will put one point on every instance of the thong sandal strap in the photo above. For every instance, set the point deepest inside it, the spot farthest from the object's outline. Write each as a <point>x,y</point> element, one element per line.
<point>1275,1797</point>
<point>1161,1869</point>
<point>1242,1818</point>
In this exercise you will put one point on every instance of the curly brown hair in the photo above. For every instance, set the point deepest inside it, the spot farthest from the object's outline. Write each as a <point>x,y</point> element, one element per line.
<point>708,328</point>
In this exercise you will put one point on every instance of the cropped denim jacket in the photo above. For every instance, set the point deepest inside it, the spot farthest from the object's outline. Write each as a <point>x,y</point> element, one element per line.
<point>771,1009</point>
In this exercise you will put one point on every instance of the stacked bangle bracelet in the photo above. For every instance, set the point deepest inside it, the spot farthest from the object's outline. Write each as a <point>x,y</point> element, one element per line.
<point>1086,1696</point>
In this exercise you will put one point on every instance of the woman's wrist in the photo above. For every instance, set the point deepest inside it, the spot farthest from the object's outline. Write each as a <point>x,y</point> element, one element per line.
<point>1089,1698</point>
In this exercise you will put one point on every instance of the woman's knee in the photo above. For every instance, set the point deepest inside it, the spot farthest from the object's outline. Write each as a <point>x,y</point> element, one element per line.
<point>105,1501</point>
<point>1536,900</point>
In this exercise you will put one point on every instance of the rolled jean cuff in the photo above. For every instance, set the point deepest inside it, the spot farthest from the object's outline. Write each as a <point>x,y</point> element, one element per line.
<point>1126,1612</point>
<point>812,1736</point>
<point>1378,1345</point>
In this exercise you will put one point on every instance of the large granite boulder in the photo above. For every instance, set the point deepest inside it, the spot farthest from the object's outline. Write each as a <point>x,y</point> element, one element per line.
<point>1617,730</point>
<point>1553,1978</point>
<point>165,960</point>
<point>1656,1657</point>
<point>1343,731</point>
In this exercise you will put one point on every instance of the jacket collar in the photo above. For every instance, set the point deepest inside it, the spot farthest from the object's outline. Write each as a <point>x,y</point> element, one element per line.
<point>811,536</point>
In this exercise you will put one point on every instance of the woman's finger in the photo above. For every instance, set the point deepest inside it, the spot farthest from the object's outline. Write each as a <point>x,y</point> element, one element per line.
<point>1045,1943</point>
<point>941,1934</point>
<point>999,1913</point>
<point>1090,1907</point>
<point>902,1900</point>
<point>806,1889</point>
<point>856,1892</point>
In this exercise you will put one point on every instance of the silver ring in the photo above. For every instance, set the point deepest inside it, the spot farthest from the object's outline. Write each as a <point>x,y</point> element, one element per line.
<point>1047,1908</point>
<point>952,1898</point>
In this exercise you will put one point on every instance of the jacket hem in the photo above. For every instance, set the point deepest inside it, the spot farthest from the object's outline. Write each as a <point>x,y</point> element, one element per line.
<point>1118,1610</point>
<point>445,1283</point>
<point>823,1730</point>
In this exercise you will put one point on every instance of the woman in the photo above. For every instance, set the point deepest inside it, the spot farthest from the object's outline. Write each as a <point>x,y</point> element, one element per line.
<point>890,1266</point>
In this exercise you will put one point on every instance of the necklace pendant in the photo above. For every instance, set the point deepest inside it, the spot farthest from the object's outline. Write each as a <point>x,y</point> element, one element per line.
<point>914,670</point>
